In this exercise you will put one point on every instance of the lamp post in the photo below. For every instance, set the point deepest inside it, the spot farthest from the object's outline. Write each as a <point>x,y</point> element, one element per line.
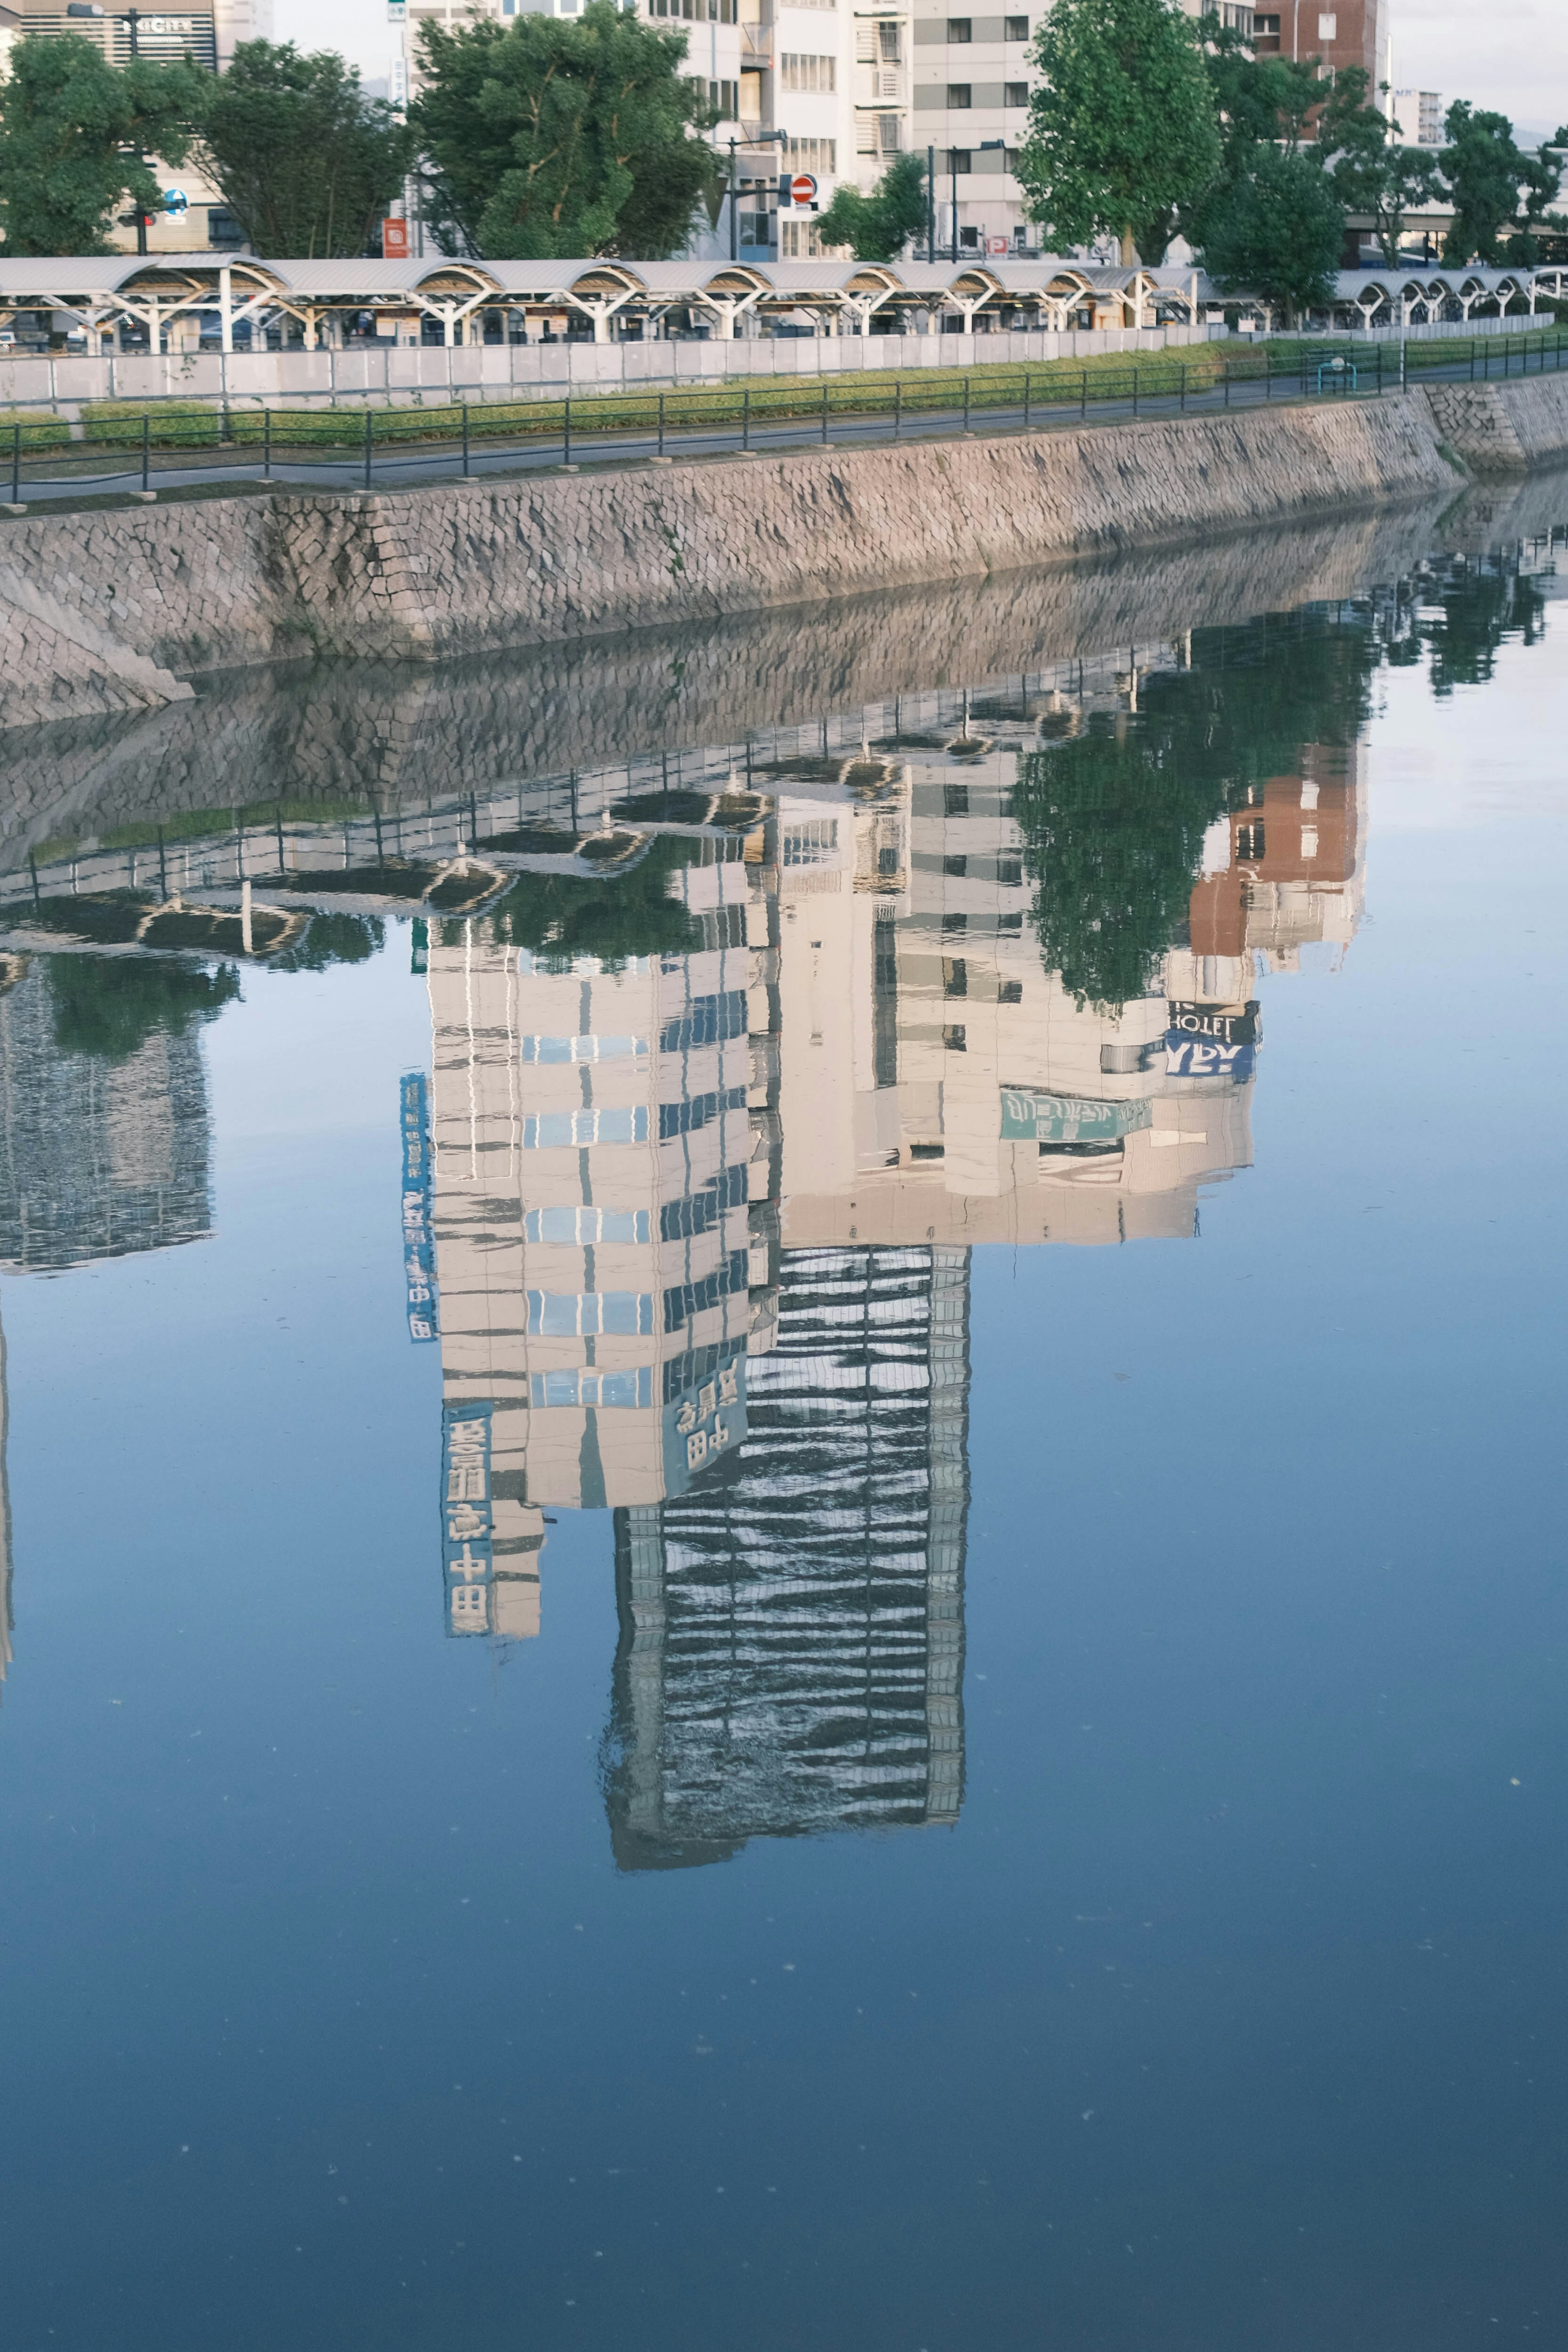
<point>132,16</point>
<point>930,204</point>
<point>989,146</point>
<point>760,139</point>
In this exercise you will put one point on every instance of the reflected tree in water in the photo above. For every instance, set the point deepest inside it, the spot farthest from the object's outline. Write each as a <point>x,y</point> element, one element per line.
<point>1113,819</point>
<point>562,916</point>
<point>109,1006</point>
<point>1484,608</point>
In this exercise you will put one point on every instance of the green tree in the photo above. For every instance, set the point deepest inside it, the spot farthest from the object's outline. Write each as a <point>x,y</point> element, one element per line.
<point>74,133</point>
<point>1122,135</point>
<point>1500,193</point>
<point>554,135</point>
<point>879,226</point>
<point>305,162</point>
<point>1276,231</point>
<point>1371,172</point>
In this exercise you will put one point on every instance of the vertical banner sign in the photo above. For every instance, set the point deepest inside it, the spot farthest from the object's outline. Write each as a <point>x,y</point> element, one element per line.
<point>466,1535</point>
<point>418,1202</point>
<point>394,240</point>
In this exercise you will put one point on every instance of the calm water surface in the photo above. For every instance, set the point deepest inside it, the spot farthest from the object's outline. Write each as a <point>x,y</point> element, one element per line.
<point>796,1579</point>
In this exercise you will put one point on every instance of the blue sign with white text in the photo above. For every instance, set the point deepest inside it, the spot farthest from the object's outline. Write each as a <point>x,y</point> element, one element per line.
<point>419,1205</point>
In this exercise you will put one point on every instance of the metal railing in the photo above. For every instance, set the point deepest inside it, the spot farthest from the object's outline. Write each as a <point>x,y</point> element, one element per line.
<point>171,444</point>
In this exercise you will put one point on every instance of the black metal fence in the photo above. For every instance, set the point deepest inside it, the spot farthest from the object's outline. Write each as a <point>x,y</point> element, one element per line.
<point>171,443</point>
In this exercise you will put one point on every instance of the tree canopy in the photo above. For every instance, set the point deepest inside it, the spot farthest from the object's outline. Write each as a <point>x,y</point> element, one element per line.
<point>1500,193</point>
<point>879,226</point>
<point>554,135</point>
<point>109,1005</point>
<point>1276,231</point>
<point>1122,136</point>
<point>74,130</point>
<point>303,159</point>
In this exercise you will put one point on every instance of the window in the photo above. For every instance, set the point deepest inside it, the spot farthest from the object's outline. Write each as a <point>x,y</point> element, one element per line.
<point>1250,843</point>
<point>707,1021</point>
<point>1010,992</point>
<point>724,100</point>
<point>956,976</point>
<point>550,1130</point>
<point>581,1048</point>
<point>969,240</point>
<point>955,799</point>
<point>809,73</point>
<point>813,156</point>
<point>960,28</point>
<point>1017,28</point>
<point>1015,93</point>
<point>957,867</point>
<point>580,1227</point>
<point>696,12</point>
<point>697,1111</point>
<point>814,843</point>
<point>959,95</point>
<point>566,1315</point>
<point>1309,841</point>
<point>955,1037</point>
<point>888,133</point>
<point>799,240</point>
<point>887,43</point>
<point>630,1388</point>
<point>959,160</point>
<point>684,1300</point>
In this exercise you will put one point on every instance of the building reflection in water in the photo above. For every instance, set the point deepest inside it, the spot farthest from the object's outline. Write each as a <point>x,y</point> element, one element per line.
<point>103,1128</point>
<point>703,1214</point>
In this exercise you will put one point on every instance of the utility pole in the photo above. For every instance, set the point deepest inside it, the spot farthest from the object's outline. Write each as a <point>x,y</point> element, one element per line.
<point>930,203</point>
<point>952,159</point>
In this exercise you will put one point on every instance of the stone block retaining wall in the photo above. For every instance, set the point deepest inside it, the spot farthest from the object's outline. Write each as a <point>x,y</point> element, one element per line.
<point>473,566</point>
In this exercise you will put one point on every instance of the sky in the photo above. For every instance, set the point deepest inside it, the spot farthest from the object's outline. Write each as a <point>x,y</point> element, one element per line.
<point>1509,55</point>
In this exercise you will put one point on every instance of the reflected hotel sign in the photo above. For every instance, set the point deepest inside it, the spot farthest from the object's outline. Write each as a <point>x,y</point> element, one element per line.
<point>418,1231</point>
<point>1210,1040</point>
<point>1030,1118</point>
<point>468,1555</point>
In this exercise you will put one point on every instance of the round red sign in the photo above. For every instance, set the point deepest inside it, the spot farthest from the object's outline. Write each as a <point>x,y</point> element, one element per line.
<point>803,189</point>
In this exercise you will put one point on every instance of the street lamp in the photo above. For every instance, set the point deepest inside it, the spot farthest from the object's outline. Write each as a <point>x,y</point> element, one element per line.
<point>761,139</point>
<point>132,16</point>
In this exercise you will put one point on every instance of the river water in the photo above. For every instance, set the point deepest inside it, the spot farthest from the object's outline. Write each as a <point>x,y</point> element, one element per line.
<point>794,1578</point>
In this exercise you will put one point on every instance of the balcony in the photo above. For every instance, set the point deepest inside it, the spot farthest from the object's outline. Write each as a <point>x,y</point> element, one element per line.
<point>757,42</point>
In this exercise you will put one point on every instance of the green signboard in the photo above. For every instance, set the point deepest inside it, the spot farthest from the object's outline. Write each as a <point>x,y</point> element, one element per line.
<point>1030,1118</point>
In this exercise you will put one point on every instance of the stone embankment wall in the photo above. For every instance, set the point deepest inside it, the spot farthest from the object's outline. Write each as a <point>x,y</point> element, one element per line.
<point>410,734</point>
<point>469,567</point>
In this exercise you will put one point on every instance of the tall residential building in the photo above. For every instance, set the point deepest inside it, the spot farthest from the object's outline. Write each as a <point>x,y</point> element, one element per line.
<point>1419,113</point>
<point>791,1648</point>
<point>602,1211</point>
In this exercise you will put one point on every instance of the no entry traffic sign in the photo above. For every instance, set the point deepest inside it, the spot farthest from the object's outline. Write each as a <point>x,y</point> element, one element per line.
<point>803,189</point>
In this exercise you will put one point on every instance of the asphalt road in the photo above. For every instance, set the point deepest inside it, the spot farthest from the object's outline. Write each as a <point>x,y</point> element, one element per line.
<point>47,479</point>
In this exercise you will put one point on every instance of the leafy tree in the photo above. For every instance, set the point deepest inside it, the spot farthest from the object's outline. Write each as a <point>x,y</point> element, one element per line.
<point>1500,193</point>
<point>1123,134</point>
<point>553,135</point>
<point>1277,231</point>
<point>109,1005</point>
<point>74,130</point>
<point>1371,172</point>
<point>879,226</point>
<point>303,159</point>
